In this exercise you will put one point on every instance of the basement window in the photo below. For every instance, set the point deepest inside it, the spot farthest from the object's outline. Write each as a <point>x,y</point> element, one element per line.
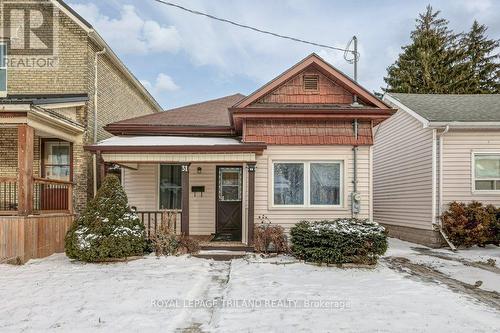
<point>3,69</point>
<point>311,82</point>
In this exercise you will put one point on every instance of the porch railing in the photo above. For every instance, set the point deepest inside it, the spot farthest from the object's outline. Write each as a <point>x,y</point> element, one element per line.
<point>152,220</point>
<point>8,194</point>
<point>51,195</point>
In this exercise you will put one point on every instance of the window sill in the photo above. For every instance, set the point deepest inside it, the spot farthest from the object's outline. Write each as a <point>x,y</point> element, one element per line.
<point>307,208</point>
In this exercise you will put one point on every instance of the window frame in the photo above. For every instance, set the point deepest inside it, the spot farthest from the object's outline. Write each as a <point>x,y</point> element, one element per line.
<point>3,93</point>
<point>43,164</point>
<point>307,185</point>
<point>158,181</point>
<point>473,173</point>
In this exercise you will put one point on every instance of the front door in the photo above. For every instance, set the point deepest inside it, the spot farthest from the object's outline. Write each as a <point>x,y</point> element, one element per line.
<point>229,202</point>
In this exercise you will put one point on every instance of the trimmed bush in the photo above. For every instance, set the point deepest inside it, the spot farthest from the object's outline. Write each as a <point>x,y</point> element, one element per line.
<point>270,238</point>
<point>339,241</point>
<point>108,228</point>
<point>471,224</point>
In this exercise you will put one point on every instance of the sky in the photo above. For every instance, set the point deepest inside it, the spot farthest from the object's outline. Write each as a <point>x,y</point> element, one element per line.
<point>183,58</point>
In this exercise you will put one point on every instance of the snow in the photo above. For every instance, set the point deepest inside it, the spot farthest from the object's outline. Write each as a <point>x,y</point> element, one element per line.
<point>167,141</point>
<point>176,293</point>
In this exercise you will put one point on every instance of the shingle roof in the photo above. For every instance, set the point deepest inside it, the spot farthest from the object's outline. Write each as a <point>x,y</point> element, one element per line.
<point>210,113</point>
<point>460,108</point>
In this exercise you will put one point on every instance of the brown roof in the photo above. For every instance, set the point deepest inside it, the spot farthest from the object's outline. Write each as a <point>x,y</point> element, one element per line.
<point>212,113</point>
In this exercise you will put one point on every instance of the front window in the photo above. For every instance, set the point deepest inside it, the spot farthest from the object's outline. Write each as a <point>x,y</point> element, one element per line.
<point>487,172</point>
<point>289,184</point>
<point>307,184</point>
<point>57,160</point>
<point>3,69</point>
<point>170,187</point>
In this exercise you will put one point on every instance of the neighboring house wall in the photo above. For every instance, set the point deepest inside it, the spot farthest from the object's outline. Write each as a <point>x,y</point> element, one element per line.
<point>8,153</point>
<point>287,217</point>
<point>118,97</point>
<point>403,178</point>
<point>458,166</point>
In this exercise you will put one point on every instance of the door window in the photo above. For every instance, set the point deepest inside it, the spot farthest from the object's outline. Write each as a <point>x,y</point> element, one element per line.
<point>230,180</point>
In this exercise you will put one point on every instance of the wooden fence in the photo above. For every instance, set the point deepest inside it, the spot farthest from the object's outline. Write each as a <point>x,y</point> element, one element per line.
<point>27,237</point>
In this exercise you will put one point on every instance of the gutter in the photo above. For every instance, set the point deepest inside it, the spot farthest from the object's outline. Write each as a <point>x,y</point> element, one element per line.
<point>94,159</point>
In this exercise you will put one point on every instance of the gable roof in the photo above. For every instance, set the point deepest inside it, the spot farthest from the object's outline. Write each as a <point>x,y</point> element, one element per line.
<point>323,66</point>
<point>212,114</point>
<point>452,108</point>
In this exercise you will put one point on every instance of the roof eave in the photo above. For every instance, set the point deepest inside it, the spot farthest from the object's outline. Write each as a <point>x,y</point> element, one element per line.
<point>465,124</point>
<point>140,129</point>
<point>240,148</point>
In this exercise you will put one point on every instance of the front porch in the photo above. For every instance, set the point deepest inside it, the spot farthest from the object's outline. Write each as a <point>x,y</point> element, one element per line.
<point>36,187</point>
<point>204,188</point>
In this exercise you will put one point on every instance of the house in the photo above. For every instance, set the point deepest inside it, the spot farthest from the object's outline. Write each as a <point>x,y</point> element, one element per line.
<point>436,149</point>
<point>300,147</point>
<point>51,105</point>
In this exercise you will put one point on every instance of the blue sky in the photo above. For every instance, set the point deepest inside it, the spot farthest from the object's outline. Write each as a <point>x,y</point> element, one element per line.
<point>182,58</point>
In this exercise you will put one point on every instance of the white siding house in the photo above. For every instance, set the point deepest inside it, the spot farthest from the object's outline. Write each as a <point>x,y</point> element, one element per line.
<point>435,150</point>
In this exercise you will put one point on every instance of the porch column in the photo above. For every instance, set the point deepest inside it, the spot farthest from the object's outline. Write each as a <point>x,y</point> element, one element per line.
<point>25,136</point>
<point>251,201</point>
<point>185,199</point>
<point>100,169</point>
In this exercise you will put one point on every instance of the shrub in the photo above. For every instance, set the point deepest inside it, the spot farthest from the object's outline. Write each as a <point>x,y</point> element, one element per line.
<point>166,242</point>
<point>339,241</point>
<point>270,238</point>
<point>107,228</point>
<point>472,224</point>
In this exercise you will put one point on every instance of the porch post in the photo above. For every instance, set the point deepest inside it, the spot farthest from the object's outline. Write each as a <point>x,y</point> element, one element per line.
<point>100,169</point>
<point>251,202</point>
<point>185,199</point>
<point>25,136</point>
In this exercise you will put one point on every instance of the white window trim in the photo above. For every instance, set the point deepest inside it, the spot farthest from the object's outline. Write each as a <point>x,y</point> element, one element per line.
<point>158,203</point>
<point>307,188</point>
<point>473,173</point>
<point>3,93</point>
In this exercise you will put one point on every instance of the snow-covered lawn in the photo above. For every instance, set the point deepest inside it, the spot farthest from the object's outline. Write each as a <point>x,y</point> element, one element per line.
<point>193,294</point>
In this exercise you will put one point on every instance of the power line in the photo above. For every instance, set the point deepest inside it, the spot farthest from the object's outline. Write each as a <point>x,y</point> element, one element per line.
<point>192,11</point>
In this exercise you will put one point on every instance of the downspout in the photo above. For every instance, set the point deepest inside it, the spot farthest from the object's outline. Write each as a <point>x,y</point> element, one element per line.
<point>96,58</point>
<point>440,189</point>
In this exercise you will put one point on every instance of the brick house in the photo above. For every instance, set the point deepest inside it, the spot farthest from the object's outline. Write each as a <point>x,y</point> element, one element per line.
<point>300,147</point>
<point>47,115</point>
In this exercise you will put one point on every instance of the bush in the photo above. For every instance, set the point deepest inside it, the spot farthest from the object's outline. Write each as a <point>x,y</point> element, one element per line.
<point>270,238</point>
<point>166,242</point>
<point>108,228</point>
<point>339,241</point>
<point>472,224</point>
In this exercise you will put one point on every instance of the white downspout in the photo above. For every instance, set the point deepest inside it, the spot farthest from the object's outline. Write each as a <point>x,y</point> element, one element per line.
<point>97,54</point>
<point>440,203</point>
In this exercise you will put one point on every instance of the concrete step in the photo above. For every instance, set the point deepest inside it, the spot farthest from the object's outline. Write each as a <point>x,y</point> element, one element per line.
<point>216,247</point>
<point>220,255</point>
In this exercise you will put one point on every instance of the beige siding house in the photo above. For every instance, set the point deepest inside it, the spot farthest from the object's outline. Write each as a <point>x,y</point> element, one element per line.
<point>298,148</point>
<point>436,149</point>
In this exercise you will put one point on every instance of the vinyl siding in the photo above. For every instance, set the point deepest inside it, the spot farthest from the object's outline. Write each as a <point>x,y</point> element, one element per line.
<point>287,217</point>
<point>402,170</point>
<point>141,187</point>
<point>458,147</point>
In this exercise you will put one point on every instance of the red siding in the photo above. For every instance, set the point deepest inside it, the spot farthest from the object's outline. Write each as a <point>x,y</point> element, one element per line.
<point>292,92</point>
<point>307,132</point>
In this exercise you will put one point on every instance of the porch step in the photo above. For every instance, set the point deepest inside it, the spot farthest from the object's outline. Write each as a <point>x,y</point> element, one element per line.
<point>216,247</point>
<point>220,255</point>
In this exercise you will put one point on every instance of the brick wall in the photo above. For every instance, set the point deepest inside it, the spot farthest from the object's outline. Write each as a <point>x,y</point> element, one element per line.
<point>118,99</point>
<point>8,153</point>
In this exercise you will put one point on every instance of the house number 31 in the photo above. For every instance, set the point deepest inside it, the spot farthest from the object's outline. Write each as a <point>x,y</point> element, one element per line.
<point>185,168</point>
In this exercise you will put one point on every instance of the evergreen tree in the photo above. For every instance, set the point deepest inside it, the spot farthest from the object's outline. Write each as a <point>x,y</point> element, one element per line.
<point>108,228</point>
<point>431,62</point>
<point>481,58</point>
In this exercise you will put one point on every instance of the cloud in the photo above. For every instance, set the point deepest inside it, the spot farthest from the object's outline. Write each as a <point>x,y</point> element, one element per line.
<point>163,84</point>
<point>129,33</point>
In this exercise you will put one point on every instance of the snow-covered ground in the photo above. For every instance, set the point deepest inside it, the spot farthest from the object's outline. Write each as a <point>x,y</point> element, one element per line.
<point>252,294</point>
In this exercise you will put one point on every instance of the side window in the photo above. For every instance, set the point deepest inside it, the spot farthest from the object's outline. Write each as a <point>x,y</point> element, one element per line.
<point>487,172</point>
<point>170,186</point>
<point>288,183</point>
<point>3,70</point>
